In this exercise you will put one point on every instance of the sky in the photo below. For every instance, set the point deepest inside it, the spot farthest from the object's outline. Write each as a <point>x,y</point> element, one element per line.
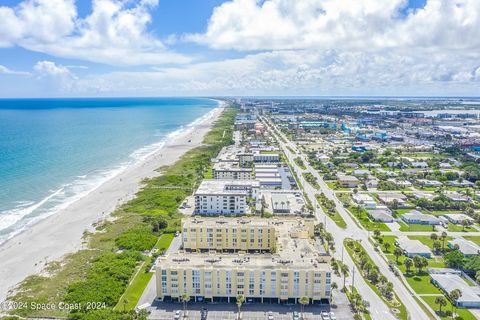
<point>107,48</point>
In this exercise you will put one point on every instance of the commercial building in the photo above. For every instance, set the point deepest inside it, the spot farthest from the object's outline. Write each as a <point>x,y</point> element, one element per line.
<point>268,175</point>
<point>222,234</point>
<point>293,270</point>
<point>217,197</point>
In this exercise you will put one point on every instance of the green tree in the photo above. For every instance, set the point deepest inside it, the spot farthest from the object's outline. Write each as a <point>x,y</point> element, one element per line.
<point>185,298</point>
<point>443,237</point>
<point>397,252</point>
<point>386,245</point>
<point>303,302</point>
<point>454,296</point>
<point>408,264</point>
<point>345,272</point>
<point>333,286</point>
<point>434,236</point>
<point>436,246</point>
<point>454,259</point>
<point>240,301</point>
<point>441,301</point>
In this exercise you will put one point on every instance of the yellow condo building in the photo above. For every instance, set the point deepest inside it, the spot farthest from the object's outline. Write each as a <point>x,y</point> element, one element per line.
<point>228,234</point>
<point>292,266</point>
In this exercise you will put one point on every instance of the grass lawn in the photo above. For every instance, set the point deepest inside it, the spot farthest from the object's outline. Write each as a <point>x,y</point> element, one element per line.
<point>459,228</point>
<point>135,289</point>
<point>473,239</point>
<point>139,282</point>
<point>333,185</point>
<point>462,314</point>
<point>337,218</point>
<point>440,212</point>
<point>365,220</point>
<point>415,227</point>
<point>164,241</point>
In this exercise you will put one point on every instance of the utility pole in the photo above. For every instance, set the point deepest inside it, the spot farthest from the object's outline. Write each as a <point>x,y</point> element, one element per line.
<point>353,278</point>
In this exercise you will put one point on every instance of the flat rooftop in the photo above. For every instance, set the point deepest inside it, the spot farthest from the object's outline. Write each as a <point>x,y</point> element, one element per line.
<point>215,186</point>
<point>230,166</point>
<point>450,282</point>
<point>230,222</point>
<point>294,249</point>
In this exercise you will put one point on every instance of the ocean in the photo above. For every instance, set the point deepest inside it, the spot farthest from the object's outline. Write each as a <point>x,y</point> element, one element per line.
<point>54,151</point>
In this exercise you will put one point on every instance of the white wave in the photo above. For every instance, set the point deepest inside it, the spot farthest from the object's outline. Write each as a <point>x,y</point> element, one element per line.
<point>10,217</point>
<point>22,217</point>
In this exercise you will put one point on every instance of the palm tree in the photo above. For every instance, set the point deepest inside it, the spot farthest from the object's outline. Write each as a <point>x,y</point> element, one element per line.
<point>185,298</point>
<point>333,286</point>
<point>397,252</point>
<point>408,264</point>
<point>434,236</point>
<point>443,237</point>
<point>345,271</point>
<point>240,301</point>
<point>454,296</point>
<point>303,302</point>
<point>441,302</point>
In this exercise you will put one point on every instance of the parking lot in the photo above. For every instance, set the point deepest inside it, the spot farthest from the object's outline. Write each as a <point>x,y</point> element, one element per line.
<point>221,311</point>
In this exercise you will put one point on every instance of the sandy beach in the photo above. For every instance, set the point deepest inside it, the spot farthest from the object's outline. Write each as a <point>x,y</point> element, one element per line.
<point>53,237</point>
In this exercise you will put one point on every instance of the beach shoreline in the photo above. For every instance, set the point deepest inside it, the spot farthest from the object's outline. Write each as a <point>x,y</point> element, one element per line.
<point>55,236</point>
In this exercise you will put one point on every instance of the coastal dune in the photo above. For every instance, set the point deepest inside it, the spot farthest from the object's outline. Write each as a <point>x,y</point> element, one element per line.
<point>51,238</point>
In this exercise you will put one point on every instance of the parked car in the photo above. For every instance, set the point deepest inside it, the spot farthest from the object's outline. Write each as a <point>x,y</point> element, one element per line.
<point>270,315</point>
<point>296,316</point>
<point>325,315</point>
<point>332,316</point>
<point>204,314</point>
<point>177,315</point>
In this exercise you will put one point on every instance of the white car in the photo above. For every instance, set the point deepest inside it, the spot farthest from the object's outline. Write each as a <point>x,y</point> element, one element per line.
<point>325,315</point>
<point>177,315</point>
<point>332,316</point>
<point>270,315</point>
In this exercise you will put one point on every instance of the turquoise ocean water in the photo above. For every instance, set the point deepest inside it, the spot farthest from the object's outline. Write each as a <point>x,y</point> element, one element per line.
<point>54,151</point>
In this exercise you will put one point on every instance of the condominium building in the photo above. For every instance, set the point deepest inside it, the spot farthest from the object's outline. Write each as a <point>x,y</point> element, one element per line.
<point>217,197</point>
<point>230,171</point>
<point>296,269</point>
<point>229,234</point>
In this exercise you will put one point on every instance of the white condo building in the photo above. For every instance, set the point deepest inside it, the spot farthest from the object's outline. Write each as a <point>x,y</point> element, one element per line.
<point>219,197</point>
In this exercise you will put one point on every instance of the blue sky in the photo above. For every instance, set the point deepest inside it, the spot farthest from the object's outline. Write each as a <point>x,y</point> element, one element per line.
<point>239,47</point>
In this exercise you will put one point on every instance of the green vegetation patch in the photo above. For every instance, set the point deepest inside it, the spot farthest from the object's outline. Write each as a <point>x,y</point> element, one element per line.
<point>113,254</point>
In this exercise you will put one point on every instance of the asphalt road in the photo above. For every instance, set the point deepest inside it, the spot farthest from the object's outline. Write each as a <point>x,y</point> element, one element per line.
<point>378,309</point>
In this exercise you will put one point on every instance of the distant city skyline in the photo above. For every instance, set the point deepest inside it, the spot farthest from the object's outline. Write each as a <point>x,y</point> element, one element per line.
<point>320,48</point>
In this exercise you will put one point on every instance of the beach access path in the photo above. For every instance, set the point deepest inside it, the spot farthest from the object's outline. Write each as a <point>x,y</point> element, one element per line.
<point>51,238</point>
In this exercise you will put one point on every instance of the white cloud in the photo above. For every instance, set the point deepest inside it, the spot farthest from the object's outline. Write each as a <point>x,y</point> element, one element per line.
<point>304,72</point>
<point>5,70</point>
<point>333,24</point>
<point>56,78</point>
<point>114,33</point>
